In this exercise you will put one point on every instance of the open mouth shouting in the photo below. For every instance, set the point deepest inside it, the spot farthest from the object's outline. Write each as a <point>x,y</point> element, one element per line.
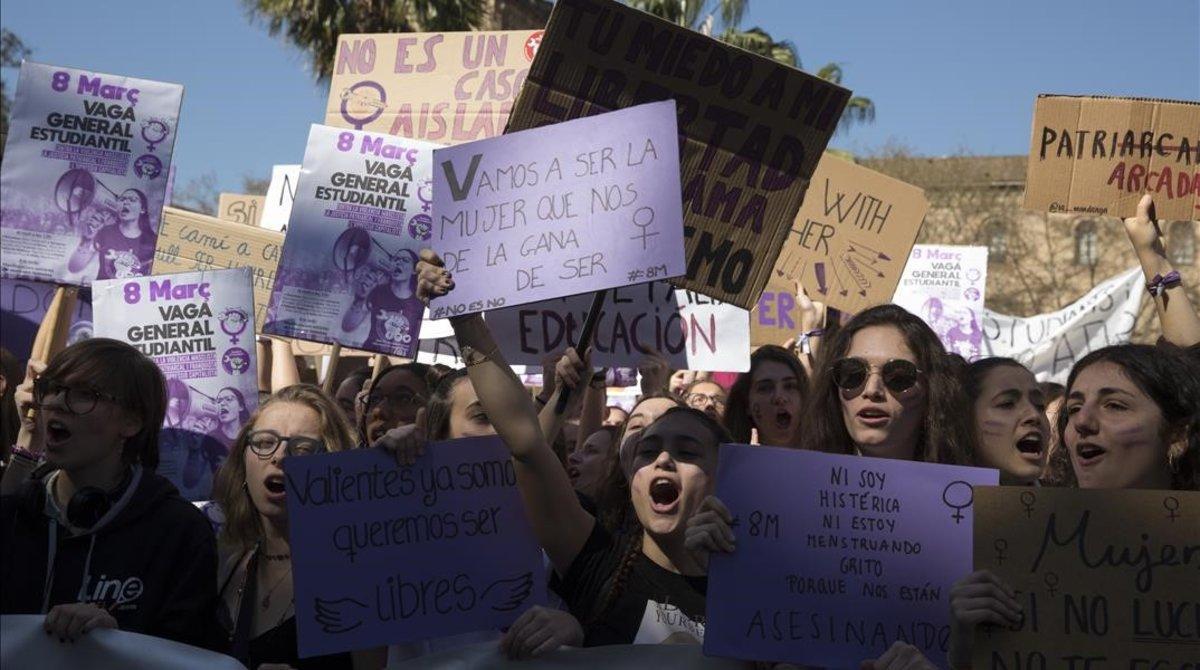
<point>276,489</point>
<point>664,495</point>
<point>783,419</point>
<point>1089,454</point>
<point>57,432</point>
<point>873,417</point>
<point>1031,446</point>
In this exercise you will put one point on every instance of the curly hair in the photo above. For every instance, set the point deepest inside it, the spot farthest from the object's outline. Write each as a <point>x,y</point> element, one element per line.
<point>1172,381</point>
<point>242,529</point>
<point>945,435</point>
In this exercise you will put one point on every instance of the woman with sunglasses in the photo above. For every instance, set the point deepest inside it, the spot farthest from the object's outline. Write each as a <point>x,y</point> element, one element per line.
<point>769,398</point>
<point>258,606</point>
<point>100,540</point>
<point>887,390</point>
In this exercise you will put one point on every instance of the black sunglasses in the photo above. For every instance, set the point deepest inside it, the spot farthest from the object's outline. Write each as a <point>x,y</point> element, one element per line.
<point>899,375</point>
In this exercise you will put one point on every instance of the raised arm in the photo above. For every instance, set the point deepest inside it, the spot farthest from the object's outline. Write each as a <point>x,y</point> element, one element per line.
<point>1178,318</point>
<point>560,522</point>
<point>284,372</point>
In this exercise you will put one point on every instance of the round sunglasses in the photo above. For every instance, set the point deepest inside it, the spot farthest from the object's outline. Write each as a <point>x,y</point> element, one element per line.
<point>898,375</point>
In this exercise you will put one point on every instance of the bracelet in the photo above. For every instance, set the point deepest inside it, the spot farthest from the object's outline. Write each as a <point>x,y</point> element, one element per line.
<point>472,356</point>
<point>22,452</point>
<point>805,345</point>
<point>1161,283</point>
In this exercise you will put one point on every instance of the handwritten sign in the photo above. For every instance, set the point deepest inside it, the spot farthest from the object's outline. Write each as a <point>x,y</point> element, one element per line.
<point>23,306</point>
<point>944,285</point>
<point>1098,155</point>
<point>569,208</point>
<point>1049,344</point>
<point>440,87</point>
<point>1107,578</point>
<point>837,556</point>
<point>692,331</point>
<point>85,174</point>
<point>281,193</point>
<point>849,242</point>
<point>188,242</point>
<point>347,273</point>
<point>198,327</point>
<point>241,208</point>
<point>388,555</point>
<point>752,129</point>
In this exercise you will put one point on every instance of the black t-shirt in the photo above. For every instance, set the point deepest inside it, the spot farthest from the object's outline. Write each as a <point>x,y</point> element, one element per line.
<point>122,257</point>
<point>655,605</point>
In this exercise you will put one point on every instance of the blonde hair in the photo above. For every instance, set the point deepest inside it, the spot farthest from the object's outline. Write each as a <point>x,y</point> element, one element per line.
<point>242,528</point>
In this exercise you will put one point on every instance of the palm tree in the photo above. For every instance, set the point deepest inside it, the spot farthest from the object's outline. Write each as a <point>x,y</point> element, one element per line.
<point>704,15</point>
<point>314,25</point>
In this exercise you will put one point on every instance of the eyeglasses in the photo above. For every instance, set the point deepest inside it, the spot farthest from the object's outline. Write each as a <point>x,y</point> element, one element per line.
<point>899,375</point>
<point>697,400</point>
<point>396,400</point>
<point>78,400</point>
<point>264,444</point>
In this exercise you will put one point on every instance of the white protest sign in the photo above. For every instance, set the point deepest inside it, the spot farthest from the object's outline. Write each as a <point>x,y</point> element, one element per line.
<point>944,285</point>
<point>1049,344</point>
<point>691,330</point>
<point>560,210</point>
<point>281,193</point>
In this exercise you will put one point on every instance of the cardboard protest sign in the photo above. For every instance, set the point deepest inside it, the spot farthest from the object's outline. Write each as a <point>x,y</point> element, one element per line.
<point>281,193</point>
<point>439,87</point>
<point>776,317</point>
<point>386,555</point>
<point>188,241</point>
<point>347,272</point>
<point>692,331</point>
<point>837,556</point>
<point>1106,578</point>
<point>198,327</point>
<point>241,208</point>
<point>85,174</point>
<point>570,208</point>
<point>1098,155</point>
<point>23,306</point>
<point>1049,344</point>
<point>851,236</point>
<point>752,129</point>
<point>944,285</point>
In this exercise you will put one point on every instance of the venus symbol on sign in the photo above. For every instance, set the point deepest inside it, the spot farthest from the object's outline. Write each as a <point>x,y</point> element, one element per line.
<point>646,235</point>
<point>1027,499</point>
<point>958,496</point>
<point>1171,504</point>
<point>1051,580</point>
<point>1001,545</point>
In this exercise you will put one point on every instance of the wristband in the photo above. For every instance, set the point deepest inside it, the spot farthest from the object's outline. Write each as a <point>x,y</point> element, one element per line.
<point>22,452</point>
<point>1161,283</point>
<point>805,345</point>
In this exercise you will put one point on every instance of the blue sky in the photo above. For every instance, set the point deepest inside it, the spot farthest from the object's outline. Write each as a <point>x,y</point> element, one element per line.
<point>946,75</point>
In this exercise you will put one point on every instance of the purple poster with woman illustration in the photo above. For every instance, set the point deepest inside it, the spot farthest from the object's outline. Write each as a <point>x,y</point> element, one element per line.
<point>85,174</point>
<point>198,327</point>
<point>347,274</point>
<point>944,285</point>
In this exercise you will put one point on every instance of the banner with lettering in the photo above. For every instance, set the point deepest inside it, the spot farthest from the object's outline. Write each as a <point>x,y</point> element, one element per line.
<point>198,327</point>
<point>281,194</point>
<point>751,128</point>
<point>1106,578</point>
<point>84,174</point>
<point>23,305</point>
<point>561,210</point>
<point>439,87</point>
<point>837,557</point>
<point>383,554</point>
<point>1049,344</point>
<point>348,270</point>
<point>945,286</point>
<point>691,330</point>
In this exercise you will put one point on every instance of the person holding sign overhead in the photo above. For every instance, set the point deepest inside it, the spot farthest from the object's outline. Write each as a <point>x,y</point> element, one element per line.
<point>101,541</point>
<point>616,588</point>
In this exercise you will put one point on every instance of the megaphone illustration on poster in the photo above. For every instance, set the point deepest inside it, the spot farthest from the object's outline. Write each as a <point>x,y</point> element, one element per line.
<point>76,189</point>
<point>184,401</point>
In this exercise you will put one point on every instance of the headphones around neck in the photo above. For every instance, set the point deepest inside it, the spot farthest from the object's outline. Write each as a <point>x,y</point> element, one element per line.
<point>91,503</point>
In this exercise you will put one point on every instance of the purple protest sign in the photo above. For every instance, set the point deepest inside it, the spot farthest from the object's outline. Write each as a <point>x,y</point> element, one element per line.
<point>23,306</point>
<point>387,555</point>
<point>560,210</point>
<point>347,272</point>
<point>837,556</point>
<point>85,174</point>
<point>198,327</point>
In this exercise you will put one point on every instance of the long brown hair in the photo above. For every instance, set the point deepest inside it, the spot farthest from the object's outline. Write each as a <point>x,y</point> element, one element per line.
<point>242,528</point>
<point>946,435</point>
<point>737,409</point>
